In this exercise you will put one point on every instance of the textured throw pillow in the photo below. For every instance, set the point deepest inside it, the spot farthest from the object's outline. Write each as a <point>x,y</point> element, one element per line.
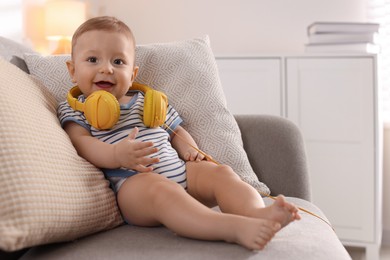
<point>48,193</point>
<point>52,72</point>
<point>187,72</point>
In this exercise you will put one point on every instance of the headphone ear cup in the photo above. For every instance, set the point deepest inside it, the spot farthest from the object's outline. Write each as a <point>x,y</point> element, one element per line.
<point>102,110</point>
<point>155,108</point>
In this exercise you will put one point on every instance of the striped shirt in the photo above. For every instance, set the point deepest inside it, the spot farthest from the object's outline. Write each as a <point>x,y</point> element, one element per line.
<point>131,114</point>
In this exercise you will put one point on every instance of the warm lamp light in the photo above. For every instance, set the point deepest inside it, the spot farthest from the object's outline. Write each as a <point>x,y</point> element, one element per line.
<point>62,17</point>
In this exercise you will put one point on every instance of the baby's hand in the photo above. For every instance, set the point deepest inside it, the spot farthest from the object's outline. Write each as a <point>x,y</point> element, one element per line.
<point>133,154</point>
<point>193,155</point>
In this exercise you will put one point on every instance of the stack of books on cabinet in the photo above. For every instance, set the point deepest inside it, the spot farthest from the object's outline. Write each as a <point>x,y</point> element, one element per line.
<point>343,37</point>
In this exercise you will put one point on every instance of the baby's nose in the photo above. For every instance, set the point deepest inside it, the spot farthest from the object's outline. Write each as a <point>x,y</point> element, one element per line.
<point>106,67</point>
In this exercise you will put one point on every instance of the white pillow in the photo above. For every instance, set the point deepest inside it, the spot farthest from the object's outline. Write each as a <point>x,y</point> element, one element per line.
<point>48,193</point>
<point>187,72</point>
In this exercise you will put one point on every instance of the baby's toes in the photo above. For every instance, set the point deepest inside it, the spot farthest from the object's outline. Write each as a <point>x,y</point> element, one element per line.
<point>291,207</point>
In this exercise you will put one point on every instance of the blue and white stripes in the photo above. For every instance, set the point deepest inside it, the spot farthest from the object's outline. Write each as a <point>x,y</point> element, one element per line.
<point>170,165</point>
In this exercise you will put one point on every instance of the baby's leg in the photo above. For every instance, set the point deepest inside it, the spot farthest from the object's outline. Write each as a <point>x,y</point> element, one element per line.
<point>214,184</point>
<point>149,199</point>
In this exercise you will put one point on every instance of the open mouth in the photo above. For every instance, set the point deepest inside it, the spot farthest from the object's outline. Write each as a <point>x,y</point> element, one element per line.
<point>104,84</point>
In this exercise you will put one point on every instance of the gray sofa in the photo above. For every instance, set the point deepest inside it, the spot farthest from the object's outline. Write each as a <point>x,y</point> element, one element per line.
<point>276,152</point>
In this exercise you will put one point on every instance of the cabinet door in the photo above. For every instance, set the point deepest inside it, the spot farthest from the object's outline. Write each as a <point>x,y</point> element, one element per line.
<point>252,85</point>
<point>332,100</point>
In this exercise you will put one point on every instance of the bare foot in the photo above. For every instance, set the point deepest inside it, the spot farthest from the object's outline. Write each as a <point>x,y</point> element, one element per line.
<point>254,233</point>
<point>280,211</point>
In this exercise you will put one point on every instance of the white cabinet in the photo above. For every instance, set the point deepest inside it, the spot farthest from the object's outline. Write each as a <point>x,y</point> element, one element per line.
<point>259,79</point>
<point>333,100</point>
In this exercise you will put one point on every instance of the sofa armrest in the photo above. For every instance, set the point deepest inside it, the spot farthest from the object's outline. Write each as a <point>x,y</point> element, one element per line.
<point>276,151</point>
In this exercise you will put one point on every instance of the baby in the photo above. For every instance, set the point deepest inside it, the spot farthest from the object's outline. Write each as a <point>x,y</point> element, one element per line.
<point>159,178</point>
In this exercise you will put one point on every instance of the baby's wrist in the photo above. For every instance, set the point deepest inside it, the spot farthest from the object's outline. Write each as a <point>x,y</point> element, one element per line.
<point>116,156</point>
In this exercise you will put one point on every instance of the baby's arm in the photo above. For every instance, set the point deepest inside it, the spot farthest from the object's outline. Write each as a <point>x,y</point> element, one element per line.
<point>127,153</point>
<point>181,144</point>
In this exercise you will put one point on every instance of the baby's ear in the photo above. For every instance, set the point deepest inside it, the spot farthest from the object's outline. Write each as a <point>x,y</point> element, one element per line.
<point>135,72</point>
<point>70,66</point>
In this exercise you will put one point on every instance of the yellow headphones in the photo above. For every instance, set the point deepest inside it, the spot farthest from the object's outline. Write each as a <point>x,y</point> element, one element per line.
<point>102,110</point>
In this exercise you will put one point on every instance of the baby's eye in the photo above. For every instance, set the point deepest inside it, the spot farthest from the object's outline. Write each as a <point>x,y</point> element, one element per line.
<point>119,62</point>
<point>92,59</point>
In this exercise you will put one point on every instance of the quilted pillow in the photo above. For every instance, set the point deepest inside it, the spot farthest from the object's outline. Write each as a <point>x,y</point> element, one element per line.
<point>187,72</point>
<point>48,193</point>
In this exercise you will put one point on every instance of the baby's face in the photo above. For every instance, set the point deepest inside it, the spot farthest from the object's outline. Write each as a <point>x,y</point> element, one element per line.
<point>103,60</point>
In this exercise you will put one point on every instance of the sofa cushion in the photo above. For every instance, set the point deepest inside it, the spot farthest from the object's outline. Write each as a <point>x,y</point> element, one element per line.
<point>307,239</point>
<point>13,52</point>
<point>187,72</point>
<point>48,193</point>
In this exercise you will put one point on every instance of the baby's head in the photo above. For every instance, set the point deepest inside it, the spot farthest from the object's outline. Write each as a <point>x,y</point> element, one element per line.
<point>103,57</point>
<point>103,23</point>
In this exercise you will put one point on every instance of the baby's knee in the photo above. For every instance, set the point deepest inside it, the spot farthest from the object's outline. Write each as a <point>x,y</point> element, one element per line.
<point>226,171</point>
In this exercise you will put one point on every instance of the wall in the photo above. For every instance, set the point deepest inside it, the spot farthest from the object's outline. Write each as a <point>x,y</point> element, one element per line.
<point>10,10</point>
<point>240,27</point>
